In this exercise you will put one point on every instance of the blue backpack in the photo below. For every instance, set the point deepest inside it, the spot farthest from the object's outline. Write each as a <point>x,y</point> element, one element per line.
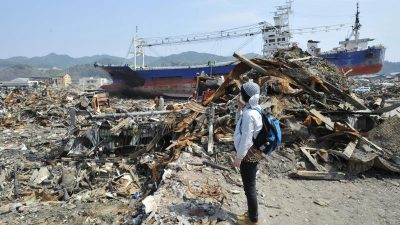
<point>270,136</point>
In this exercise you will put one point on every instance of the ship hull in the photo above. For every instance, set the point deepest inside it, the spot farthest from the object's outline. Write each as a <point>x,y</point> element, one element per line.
<point>174,82</point>
<point>362,62</point>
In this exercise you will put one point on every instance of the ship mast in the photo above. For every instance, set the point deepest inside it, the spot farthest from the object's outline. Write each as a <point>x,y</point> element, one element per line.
<point>137,49</point>
<point>358,43</point>
<point>357,25</point>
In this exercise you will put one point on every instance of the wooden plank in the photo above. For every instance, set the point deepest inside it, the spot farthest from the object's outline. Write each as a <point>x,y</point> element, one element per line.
<point>312,160</point>
<point>285,74</point>
<point>293,75</point>
<point>348,151</point>
<point>301,59</point>
<point>343,95</point>
<point>387,109</point>
<point>337,153</point>
<point>214,165</point>
<point>210,148</point>
<point>125,122</point>
<point>319,175</point>
<point>366,140</point>
<point>323,118</point>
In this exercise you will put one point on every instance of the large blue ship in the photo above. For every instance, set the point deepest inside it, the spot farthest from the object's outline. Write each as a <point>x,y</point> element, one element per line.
<point>172,81</point>
<point>353,56</point>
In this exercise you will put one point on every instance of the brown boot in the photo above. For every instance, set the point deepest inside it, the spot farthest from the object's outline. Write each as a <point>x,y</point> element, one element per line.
<point>247,221</point>
<point>242,217</point>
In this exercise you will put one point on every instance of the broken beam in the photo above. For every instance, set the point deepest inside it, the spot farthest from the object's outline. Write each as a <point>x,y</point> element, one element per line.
<point>312,160</point>
<point>345,96</point>
<point>265,73</point>
<point>319,175</point>
<point>324,119</point>
<point>214,165</point>
<point>348,151</point>
<point>147,113</point>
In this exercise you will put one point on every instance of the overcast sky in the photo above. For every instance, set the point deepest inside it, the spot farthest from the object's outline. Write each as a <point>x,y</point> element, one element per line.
<point>89,27</point>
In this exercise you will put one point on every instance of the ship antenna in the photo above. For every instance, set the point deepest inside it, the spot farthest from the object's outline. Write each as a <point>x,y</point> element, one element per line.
<point>357,24</point>
<point>135,37</point>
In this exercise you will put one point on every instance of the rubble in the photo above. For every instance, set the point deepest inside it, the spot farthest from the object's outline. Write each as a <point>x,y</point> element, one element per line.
<point>70,149</point>
<point>387,136</point>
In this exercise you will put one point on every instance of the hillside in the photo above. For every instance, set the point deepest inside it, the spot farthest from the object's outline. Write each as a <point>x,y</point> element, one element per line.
<point>65,61</point>
<point>60,61</point>
<point>390,67</point>
<point>20,70</point>
<point>53,64</point>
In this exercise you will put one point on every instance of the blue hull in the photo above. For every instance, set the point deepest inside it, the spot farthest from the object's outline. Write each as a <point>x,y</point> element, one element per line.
<point>368,61</point>
<point>169,81</point>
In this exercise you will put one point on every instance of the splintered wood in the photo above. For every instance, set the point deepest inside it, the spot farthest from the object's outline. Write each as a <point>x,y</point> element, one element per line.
<point>312,160</point>
<point>214,191</point>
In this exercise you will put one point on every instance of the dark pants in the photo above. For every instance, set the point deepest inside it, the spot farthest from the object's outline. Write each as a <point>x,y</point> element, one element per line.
<point>248,171</point>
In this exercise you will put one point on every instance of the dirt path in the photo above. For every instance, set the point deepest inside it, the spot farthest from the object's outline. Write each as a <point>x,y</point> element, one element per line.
<point>365,201</point>
<point>285,201</point>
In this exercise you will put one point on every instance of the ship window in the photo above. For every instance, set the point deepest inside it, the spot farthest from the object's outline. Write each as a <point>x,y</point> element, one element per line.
<point>283,39</point>
<point>271,40</point>
<point>271,35</point>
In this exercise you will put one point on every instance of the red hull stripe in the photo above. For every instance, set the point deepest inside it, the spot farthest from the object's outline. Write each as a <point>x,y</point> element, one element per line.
<point>361,70</point>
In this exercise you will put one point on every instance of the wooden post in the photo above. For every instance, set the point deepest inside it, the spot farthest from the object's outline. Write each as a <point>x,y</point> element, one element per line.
<point>210,148</point>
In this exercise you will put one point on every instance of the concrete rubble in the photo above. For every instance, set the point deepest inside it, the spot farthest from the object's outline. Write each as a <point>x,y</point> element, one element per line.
<point>70,150</point>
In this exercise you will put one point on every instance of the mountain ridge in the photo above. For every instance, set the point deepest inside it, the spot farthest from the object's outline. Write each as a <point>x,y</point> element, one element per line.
<point>64,61</point>
<point>53,64</point>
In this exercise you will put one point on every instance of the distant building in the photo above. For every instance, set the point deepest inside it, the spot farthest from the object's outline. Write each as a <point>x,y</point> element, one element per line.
<point>19,83</point>
<point>395,74</point>
<point>42,80</point>
<point>63,80</point>
<point>93,82</point>
<point>395,77</point>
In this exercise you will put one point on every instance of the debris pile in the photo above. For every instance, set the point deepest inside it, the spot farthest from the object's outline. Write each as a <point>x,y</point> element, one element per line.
<point>85,152</point>
<point>150,164</point>
<point>322,121</point>
<point>387,136</point>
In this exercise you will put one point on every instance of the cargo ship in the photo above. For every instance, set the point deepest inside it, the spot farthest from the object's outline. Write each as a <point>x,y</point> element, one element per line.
<point>170,81</point>
<point>353,57</point>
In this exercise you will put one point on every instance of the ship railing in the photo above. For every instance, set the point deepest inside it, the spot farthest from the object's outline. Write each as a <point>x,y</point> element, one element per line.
<point>184,67</point>
<point>350,50</point>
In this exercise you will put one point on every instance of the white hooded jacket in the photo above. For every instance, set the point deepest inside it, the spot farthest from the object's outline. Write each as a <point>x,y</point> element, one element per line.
<point>248,126</point>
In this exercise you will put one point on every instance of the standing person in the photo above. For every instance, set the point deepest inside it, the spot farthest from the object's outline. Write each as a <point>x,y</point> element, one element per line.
<point>248,126</point>
<point>161,103</point>
<point>157,102</point>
